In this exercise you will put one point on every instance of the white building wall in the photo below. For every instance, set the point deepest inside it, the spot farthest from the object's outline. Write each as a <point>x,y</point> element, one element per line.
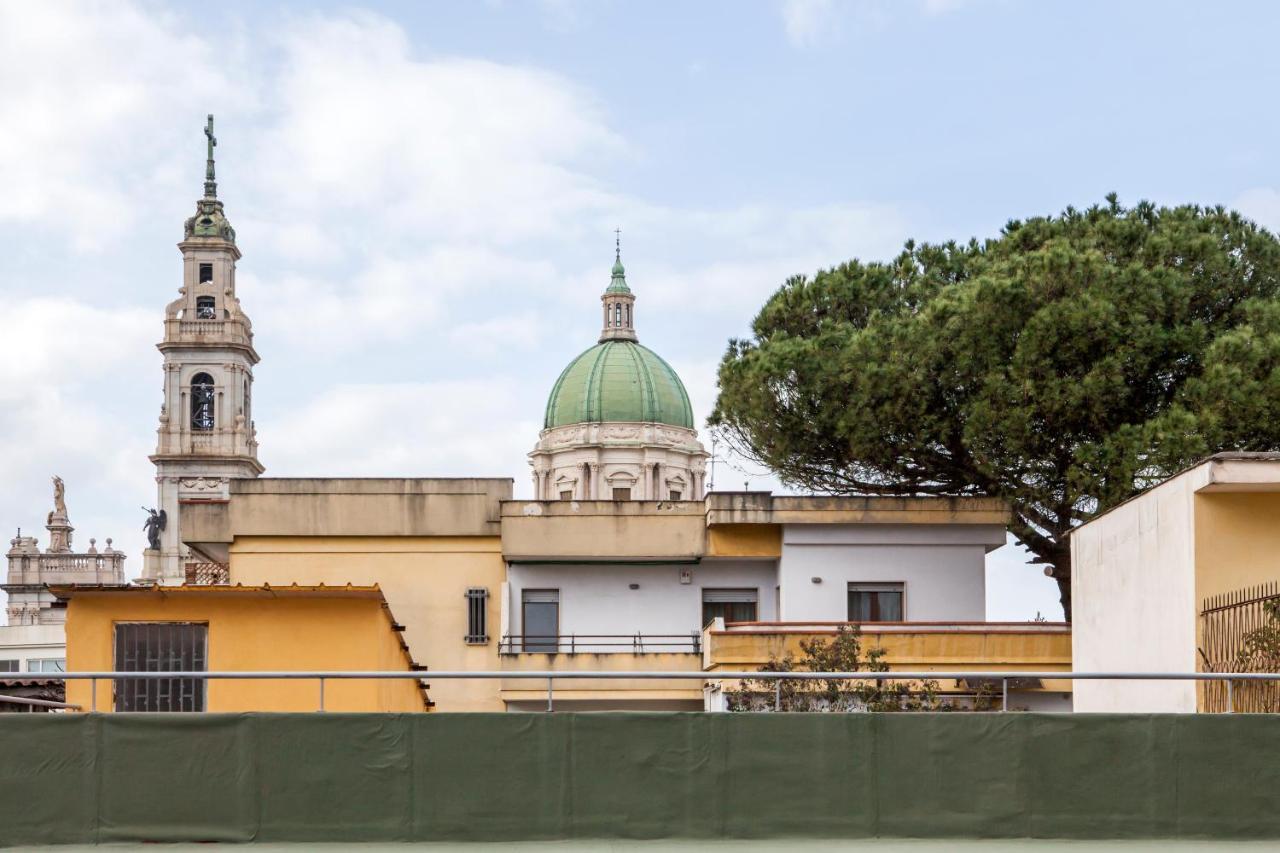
<point>943,568</point>
<point>597,599</point>
<point>1133,599</point>
<point>25,643</point>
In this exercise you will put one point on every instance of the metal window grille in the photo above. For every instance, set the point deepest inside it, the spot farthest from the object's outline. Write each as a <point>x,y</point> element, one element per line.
<point>202,402</point>
<point>161,647</point>
<point>477,625</point>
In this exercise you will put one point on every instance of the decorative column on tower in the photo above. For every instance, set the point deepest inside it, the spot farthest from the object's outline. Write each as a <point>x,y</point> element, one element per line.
<point>206,436</point>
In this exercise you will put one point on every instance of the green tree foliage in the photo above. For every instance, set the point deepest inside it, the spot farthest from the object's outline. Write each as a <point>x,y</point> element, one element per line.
<point>1065,366</point>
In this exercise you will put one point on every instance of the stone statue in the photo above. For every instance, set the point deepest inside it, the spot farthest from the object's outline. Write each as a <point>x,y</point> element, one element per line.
<point>59,497</point>
<point>154,524</point>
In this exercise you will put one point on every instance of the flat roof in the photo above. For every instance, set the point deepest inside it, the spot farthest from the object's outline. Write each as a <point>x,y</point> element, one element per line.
<point>67,591</point>
<point>1224,483</point>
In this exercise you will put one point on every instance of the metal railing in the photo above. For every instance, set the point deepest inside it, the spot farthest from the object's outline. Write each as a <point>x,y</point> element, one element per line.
<point>551,676</point>
<point>571,644</point>
<point>1239,631</point>
<point>38,703</point>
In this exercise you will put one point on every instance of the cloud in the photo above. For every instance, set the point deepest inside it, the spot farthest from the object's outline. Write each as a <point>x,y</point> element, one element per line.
<point>757,248</point>
<point>88,88</point>
<point>67,370</point>
<point>56,341</point>
<point>807,21</point>
<point>452,146</point>
<point>942,7</point>
<point>412,429</point>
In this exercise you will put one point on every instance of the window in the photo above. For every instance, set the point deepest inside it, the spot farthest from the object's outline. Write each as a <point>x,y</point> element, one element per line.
<point>617,314</point>
<point>732,605</point>
<point>161,647</point>
<point>628,313</point>
<point>540,617</point>
<point>622,494</point>
<point>477,600</point>
<point>875,602</point>
<point>674,495</point>
<point>8,666</point>
<point>566,495</point>
<point>202,402</point>
<point>205,309</point>
<point>46,665</point>
<point>206,273</point>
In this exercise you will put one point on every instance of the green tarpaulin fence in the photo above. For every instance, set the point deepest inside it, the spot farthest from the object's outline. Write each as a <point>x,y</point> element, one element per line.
<point>388,777</point>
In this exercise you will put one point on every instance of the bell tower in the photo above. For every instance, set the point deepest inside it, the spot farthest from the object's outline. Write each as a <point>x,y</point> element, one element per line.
<point>206,435</point>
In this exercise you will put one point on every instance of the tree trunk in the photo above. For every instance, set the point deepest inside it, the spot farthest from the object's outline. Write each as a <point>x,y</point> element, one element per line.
<point>1060,571</point>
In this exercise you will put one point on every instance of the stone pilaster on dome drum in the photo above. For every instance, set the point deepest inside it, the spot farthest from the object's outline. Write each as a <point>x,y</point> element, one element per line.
<point>618,423</point>
<point>206,436</point>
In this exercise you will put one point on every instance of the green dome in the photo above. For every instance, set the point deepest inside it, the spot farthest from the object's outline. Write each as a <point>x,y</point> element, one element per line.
<point>618,381</point>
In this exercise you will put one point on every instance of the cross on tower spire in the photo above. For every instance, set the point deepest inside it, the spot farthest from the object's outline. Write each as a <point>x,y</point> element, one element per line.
<point>210,184</point>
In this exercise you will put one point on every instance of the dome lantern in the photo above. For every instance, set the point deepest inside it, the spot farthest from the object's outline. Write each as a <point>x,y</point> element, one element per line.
<point>619,302</point>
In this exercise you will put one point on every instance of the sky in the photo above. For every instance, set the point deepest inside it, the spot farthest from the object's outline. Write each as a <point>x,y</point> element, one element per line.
<point>425,195</point>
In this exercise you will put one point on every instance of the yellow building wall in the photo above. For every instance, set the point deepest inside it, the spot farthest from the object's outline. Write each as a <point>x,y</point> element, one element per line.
<point>250,634</point>
<point>1237,541</point>
<point>744,540</point>
<point>424,580</point>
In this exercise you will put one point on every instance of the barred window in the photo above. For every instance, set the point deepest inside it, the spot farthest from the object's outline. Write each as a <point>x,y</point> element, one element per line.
<point>477,621</point>
<point>161,647</point>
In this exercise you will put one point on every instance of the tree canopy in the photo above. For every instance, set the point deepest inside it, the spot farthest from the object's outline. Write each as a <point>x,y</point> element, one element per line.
<point>1065,365</point>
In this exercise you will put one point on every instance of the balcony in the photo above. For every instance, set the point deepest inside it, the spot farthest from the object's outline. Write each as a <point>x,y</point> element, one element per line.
<point>603,693</point>
<point>601,644</point>
<point>221,332</point>
<point>939,647</point>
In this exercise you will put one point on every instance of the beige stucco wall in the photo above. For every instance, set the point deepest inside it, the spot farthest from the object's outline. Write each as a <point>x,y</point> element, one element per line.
<point>602,530</point>
<point>1134,599</point>
<point>424,580</point>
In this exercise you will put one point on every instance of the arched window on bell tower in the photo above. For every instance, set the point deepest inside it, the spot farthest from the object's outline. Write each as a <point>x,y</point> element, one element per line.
<point>202,402</point>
